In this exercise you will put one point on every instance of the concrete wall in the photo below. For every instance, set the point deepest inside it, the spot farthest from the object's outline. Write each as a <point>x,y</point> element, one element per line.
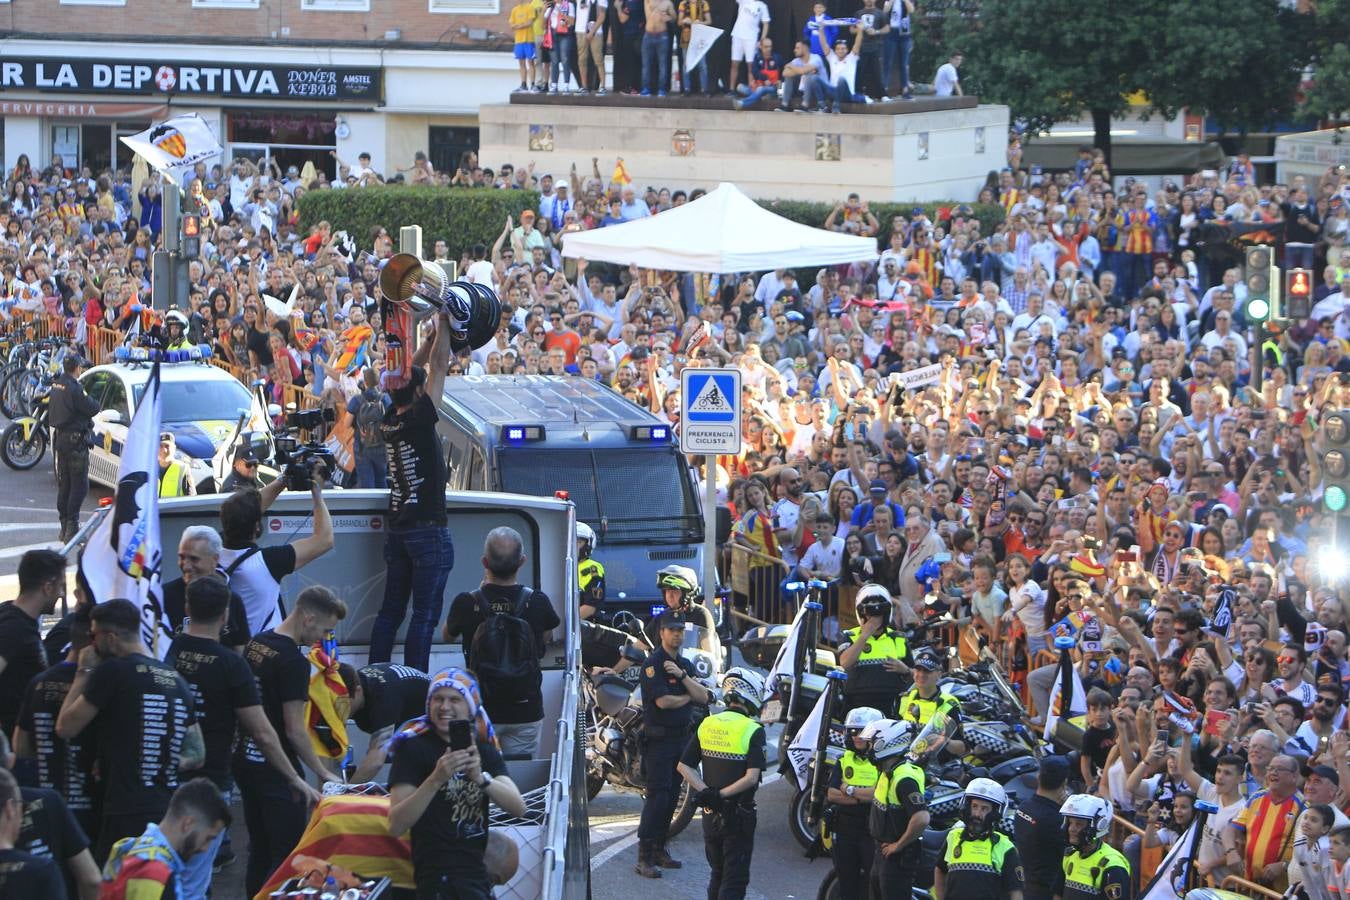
<point>766,154</point>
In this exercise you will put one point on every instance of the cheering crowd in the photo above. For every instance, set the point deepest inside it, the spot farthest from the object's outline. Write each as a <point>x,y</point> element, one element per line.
<point>1057,411</point>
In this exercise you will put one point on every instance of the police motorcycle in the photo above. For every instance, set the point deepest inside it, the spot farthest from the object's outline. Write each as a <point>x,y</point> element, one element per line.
<point>25,440</point>
<point>802,677</point>
<point>612,715</point>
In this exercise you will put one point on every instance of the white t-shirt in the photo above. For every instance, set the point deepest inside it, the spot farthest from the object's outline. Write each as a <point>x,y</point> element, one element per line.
<point>946,80</point>
<point>826,561</point>
<point>843,70</point>
<point>1211,840</point>
<point>588,8</point>
<point>481,272</point>
<point>750,19</point>
<point>1029,601</point>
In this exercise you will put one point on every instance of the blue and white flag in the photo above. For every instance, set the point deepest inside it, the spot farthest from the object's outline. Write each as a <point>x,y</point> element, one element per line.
<point>123,558</point>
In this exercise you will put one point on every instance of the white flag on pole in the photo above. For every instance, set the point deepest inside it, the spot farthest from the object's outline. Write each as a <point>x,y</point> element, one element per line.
<point>123,557</point>
<point>803,745</point>
<point>1066,682</point>
<point>1169,882</point>
<point>701,39</point>
<point>176,145</point>
<point>782,663</point>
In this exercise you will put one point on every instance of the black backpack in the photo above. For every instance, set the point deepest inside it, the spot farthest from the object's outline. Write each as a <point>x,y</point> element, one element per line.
<point>369,418</point>
<point>503,653</point>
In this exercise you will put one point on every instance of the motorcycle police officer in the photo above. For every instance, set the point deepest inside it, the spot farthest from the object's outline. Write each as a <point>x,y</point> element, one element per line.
<point>899,811</point>
<point>850,794</point>
<point>590,573</point>
<point>71,413</point>
<point>874,655</point>
<point>730,748</point>
<point>668,692</point>
<point>1092,867</point>
<point>923,701</point>
<point>979,862</point>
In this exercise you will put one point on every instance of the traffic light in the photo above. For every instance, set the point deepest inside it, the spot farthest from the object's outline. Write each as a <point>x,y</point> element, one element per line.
<point>1298,293</point>
<point>192,237</point>
<point>1257,277</point>
<point>1336,461</point>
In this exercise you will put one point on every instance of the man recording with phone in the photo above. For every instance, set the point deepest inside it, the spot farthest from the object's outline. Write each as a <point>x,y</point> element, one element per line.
<point>446,769</point>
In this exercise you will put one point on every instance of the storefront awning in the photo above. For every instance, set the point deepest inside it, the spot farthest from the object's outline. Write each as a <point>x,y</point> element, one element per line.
<point>84,109</point>
<point>1129,156</point>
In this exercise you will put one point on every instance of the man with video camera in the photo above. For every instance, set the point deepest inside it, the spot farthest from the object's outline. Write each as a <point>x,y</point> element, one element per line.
<point>254,572</point>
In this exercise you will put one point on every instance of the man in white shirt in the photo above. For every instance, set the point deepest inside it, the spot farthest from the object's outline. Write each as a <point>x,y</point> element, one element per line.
<point>947,82</point>
<point>752,26</point>
<point>804,71</point>
<point>843,69</point>
<point>1223,331</point>
<point>591,42</point>
<point>480,271</point>
<point>1335,307</point>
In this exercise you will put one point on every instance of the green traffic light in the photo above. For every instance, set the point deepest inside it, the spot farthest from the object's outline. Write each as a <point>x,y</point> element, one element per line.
<point>1334,497</point>
<point>1258,309</point>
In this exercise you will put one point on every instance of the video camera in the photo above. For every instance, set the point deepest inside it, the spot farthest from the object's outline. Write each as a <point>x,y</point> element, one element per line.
<point>299,459</point>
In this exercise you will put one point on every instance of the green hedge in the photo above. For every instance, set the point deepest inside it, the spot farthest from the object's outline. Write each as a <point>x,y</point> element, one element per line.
<point>814,214</point>
<point>461,217</point>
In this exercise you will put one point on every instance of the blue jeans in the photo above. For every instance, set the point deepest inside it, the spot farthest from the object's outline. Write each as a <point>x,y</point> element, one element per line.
<point>896,51</point>
<point>655,51</point>
<point>837,94</point>
<point>701,67</point>
<point>372,470</point>
<point>1298,256</point>
<point>419,561</point>
<point>563,51</point>
<point>759,93</point>
<point>195,878</point>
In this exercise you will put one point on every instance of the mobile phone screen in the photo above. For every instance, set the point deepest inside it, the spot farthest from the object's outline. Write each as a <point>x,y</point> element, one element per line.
<point>461,734</point>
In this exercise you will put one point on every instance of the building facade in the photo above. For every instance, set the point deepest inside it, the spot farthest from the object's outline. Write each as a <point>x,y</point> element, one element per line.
<point>300,80</point>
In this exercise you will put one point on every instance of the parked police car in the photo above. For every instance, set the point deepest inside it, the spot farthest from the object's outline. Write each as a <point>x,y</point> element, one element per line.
<point>202,406</point>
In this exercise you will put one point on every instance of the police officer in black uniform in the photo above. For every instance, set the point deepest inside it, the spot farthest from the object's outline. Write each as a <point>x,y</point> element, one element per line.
<point>669,691</point>
<point>71,413</point>
<point>730,748</point>
<point>850,794</point>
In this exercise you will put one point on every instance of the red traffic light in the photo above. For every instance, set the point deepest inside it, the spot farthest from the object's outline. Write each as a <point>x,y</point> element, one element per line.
<point>191,226</point>
<point>1298,283</point>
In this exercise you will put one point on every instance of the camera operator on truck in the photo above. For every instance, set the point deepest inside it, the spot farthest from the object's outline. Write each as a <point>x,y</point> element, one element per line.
<point>255,572</point>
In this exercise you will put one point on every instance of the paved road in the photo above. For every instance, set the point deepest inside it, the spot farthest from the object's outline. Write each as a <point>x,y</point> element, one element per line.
<point>779,869</point>
<point>28,517</point>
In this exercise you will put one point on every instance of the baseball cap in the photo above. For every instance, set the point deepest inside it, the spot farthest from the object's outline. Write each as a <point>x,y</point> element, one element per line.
<point>244,453</point>
<point>878,486</point>
<point>1326,772</point>
<point>927,660</point>
<point>671,619</point>
<point>561,186</point>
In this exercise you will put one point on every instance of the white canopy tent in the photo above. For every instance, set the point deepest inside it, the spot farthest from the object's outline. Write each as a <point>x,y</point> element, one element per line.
<point>722,231</point>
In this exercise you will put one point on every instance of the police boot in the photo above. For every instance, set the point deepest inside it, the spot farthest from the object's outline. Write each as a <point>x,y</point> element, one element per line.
<point>662,858</point>
<point>645,867</point>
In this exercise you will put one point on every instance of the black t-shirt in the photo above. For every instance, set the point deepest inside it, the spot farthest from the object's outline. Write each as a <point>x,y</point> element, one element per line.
<point>57,641</point>
<point>23,875</point>
<point>417,470</point>
<point>466,615</point>
<point>871,18</point>
<point>1039,836</point>
<point>393,694</point>
<point>1097,744</point>
<point>451,836</point>
<point>49,831</point>
<point>257,343</point>
<point>221,683</point>
<point>144,712</point>
<point>657,682</point>
<point>282,674</point>
<point>21,649</point>
<point>57,760</point>
<point>235,633</point>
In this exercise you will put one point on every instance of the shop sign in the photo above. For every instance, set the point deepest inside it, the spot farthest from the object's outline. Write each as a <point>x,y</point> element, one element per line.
<point>192,79</point>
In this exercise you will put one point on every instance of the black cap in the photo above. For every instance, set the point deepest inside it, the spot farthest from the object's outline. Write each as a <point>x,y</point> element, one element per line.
<point>926,659</point>
<point>244,453</point>
<point>1326,772</point>
<point>1053,773</point>
<point>672,619</point>
<point>878,486</point>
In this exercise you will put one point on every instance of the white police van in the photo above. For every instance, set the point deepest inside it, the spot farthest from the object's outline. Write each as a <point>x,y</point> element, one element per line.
<point>202,406</point>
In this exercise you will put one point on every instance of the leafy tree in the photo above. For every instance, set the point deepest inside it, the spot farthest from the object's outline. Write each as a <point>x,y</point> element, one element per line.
<point>1053,61</point>
<point>1329,97</point>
